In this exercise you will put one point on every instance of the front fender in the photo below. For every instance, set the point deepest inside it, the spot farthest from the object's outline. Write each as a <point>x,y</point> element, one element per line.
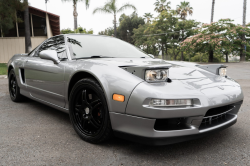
<point>113,80</point>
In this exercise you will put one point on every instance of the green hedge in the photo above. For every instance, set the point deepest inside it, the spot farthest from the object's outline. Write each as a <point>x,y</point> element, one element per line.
<point>3,69</point>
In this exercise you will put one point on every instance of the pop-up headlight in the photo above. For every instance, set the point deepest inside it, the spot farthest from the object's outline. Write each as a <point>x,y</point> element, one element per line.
<point>223,72</point>
<point>159,75</point>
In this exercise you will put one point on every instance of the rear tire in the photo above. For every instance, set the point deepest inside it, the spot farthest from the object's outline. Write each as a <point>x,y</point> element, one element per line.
<point>88,111</point>
<point>14,89</point>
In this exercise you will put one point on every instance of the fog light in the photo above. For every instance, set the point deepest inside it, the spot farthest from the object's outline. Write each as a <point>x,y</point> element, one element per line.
<point>170,102</point>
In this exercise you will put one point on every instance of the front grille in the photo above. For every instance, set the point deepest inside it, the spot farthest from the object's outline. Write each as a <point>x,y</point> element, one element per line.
<point>216,116</point>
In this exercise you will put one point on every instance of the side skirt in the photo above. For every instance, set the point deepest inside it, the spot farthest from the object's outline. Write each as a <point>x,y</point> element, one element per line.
<point>27,94</point>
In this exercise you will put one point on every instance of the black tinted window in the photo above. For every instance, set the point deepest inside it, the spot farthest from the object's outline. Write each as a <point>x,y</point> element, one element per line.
<point>55,43</point>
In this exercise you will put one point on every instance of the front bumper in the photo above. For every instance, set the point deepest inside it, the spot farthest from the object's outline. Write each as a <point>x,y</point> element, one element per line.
<point>144,130</point>
<point>169,140</point>
<point>218,102</point>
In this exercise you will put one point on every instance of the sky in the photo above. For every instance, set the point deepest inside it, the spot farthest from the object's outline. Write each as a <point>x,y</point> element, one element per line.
<point>232,9</point>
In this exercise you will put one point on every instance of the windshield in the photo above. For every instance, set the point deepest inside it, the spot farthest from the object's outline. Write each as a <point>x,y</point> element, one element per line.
<point>86,46</point>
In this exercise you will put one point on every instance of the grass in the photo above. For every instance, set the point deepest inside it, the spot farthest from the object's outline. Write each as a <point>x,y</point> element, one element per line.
<point>3,69</point>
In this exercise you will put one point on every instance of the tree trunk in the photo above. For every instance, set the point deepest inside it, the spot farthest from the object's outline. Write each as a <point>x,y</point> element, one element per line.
<point>211,56</point>
<point>154,50</point>
<point>28,46</point>
<point>115,25</point>
<point>226,57</point>
<point>212,13</point>
<point>175,54</point>
<point>162,50</point>
<point>166,51</point>
<point>244,12</point>
<point>75,14</point>
<point>243,53</point>
<point>182,57</point>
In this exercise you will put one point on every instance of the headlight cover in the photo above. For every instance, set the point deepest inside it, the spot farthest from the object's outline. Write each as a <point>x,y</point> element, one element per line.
<point>223,72</point>
<point>158,75</point>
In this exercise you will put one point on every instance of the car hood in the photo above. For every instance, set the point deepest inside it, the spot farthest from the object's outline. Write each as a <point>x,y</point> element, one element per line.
<point>177,70</point>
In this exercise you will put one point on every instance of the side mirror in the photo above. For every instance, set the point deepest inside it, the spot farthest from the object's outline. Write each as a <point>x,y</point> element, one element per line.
<point>49,55</point>
<point>152,56</point>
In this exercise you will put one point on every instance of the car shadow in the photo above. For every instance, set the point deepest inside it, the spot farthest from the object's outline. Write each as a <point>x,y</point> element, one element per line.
<point>47,110</point>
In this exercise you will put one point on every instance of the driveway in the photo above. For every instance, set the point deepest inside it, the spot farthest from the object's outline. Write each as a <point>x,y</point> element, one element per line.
<point>35,134</point>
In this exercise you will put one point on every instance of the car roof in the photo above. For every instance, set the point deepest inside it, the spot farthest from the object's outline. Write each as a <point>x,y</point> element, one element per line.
<point>84,34</point>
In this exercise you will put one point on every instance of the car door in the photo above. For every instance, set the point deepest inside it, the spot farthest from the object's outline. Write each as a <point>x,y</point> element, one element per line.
<point>44,79</point>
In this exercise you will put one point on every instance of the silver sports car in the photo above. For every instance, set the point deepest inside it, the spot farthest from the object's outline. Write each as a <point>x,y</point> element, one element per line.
<point>110,87</point>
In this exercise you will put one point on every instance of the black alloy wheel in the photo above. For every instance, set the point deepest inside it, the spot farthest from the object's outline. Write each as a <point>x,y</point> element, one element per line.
<point>88,111</point>
<point>14,90</point>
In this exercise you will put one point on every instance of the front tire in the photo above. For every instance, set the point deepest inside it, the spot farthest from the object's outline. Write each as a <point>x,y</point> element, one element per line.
<point>89,112</point>
<point>14,90</point>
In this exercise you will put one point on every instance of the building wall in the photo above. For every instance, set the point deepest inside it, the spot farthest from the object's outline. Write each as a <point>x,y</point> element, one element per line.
<point>10,46</point>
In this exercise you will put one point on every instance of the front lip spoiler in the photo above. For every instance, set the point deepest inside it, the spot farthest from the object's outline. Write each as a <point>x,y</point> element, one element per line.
<point>170,140</point>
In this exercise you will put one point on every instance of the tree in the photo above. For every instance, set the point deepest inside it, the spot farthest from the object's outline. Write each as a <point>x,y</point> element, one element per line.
<point>127,25</point>
<point>164,25</point>
<point>112,8</point>
<point>75,14</point>
<point>243,54</point>
<point>108,32</point>
<point>184,9</point>
<point>148,16</point>
<point>212,12</point>
<point>8,14</point>
<point>161,5</point>
<point>78,30</point>
<point>219,37</point>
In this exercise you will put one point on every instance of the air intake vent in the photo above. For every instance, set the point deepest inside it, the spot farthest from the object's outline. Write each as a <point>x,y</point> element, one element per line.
<point>216,116</point>
<point>22,75</point>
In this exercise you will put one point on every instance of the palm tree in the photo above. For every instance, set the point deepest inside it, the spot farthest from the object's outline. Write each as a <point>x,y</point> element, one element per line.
<point>148,16</point>
<point>212,12</point>
<point>28,45</point>
<point>112,8</point>
<point>161,5</point>
<point>184,9</point>
<point>75,14</point>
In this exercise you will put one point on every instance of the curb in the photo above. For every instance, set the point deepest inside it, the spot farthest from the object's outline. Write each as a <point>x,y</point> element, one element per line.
<point>3,76</point>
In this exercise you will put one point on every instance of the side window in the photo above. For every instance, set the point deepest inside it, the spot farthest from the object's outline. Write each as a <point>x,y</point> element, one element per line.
<point>55,43</point>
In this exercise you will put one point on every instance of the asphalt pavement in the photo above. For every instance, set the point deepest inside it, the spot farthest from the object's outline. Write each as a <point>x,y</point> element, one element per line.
<point>34,134</point>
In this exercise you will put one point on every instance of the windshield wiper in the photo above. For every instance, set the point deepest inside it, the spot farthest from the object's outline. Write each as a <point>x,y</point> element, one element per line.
<point>95,56</point>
